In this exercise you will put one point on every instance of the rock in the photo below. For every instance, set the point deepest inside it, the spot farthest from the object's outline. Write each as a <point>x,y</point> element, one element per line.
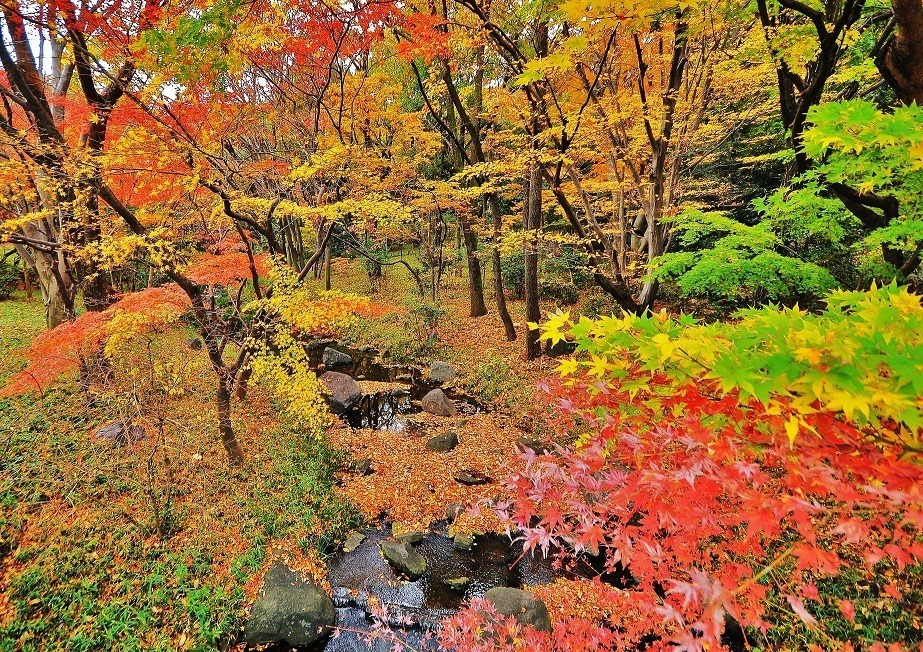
<point>409,537</point>
<point>353,541</point>
<point>334,358</point>
<point>442,372</point>
<point>463,541</point>
<point>118,433</point>
<point>453,511</point>
<point>320,343</point>
<point>522,605</point>
<point>436,402</point>
<point>561,347</point>
<point>364,466</point>
<point>405,536</point>
<point>289,610</point>
<point>342,391</point>
<point>403,558</point>
<point>194,343</point>
<point>367,348</point>
<point>443,443</point>
<point>457,583</point>
<point>471,477</point>
<point>532,443</point>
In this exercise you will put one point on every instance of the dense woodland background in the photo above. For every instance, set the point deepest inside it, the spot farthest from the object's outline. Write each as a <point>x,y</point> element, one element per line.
<point>671,250</point>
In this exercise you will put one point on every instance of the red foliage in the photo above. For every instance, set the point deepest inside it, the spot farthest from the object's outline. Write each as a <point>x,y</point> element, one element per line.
<point>715,510</point>
<point>425,37</point>
<point>481,629</point>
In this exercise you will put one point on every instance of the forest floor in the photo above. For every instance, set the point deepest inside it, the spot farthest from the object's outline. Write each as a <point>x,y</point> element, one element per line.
<point>161,545</point>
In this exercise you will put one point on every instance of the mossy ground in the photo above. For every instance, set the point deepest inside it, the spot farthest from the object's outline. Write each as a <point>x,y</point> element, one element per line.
<point>82,564</point>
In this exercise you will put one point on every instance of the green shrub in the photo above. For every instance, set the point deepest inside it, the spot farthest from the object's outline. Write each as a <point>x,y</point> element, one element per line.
<point>563,294</point>
<point>514,274</point>
<point>9,278</point>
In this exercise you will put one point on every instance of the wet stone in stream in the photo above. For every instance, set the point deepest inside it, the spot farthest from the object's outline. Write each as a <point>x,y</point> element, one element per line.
<point>385,409</point>
<point>364,573</point>
<point>456,571</point>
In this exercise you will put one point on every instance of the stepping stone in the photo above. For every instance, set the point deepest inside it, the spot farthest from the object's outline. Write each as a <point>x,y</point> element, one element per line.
<point>443,443</point>
<point>457,583</point>
<point>403,558</point>
<point>463,541</point>
<point>522,605</point>
<point>353,541</point>
<point>471,477</point>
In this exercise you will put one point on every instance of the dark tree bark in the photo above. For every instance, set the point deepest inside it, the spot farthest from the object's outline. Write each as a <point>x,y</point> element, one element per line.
<point>502,310</point>
<point>475,277</point>
<point>225,428</point>
<point>901,59</point>
<point>532,215</point>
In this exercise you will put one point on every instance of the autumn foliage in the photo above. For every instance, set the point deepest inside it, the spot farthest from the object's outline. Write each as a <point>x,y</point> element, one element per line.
<point>64,349</point>
<point>714,471</point>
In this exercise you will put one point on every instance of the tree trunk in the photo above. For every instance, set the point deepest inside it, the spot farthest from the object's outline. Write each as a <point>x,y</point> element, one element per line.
<point>475,278</point>
<point>327,265</point>
<point>901,60</point>
<point>225,428</point>
<point>27,280</point>
<point>498,272</point>
<point>532,213</point>
<point>242,383</point>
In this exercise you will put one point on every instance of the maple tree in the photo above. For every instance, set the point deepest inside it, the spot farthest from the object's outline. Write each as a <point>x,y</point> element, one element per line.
<point>719,464</point>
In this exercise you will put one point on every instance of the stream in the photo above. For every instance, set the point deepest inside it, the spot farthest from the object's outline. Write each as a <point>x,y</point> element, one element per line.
<point>361,578</point>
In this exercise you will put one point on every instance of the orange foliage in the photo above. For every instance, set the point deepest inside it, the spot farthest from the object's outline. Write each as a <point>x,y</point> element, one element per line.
<point>226,268</point>
<point>62,350</point>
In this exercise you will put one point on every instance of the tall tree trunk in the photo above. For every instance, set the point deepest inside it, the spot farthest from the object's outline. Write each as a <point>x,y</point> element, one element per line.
<point>475,278</point>
<point>498,271</point>
<point>532,213</point>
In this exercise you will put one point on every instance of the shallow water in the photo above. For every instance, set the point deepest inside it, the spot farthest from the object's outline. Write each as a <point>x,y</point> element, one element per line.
<point>385,409</point>
<point>414,608</point>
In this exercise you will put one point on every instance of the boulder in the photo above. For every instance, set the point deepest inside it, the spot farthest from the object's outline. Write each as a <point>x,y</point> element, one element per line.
<point>443,443</point>
<point>334,358</point>
<point>403,558</point>
<point>342,391</point>
<point>522,605</point>
<point>471,477</point>
<point>353,541</point>
<point>289,610</point>
<point>436,402</point>
<point>119,433</point>
<point>442,372</point>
